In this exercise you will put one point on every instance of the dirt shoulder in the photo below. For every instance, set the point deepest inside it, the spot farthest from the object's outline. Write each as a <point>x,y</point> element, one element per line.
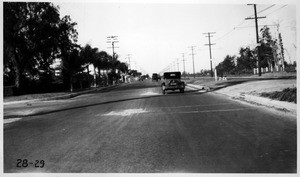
<point>249,89</point>
<point>257,87</point>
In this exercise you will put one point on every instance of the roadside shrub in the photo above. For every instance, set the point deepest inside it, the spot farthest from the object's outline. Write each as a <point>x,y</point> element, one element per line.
<point>288,94</point>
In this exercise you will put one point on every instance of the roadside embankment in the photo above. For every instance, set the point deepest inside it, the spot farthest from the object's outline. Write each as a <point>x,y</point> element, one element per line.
<point>250,89</point>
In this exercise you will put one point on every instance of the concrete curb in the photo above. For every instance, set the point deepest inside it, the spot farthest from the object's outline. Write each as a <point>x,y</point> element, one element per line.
<point>66,96</point>
<point>199,87</point>
<point>72,95</point>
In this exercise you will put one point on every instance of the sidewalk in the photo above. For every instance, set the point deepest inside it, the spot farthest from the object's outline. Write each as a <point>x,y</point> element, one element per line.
<point>250,91</point>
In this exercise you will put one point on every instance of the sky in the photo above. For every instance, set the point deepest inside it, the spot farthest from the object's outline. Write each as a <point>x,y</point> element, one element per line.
<point>155,34</point>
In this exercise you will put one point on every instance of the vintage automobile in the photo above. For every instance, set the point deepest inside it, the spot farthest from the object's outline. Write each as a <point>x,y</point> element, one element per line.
<point>155,77</point>
<point>172,81</point>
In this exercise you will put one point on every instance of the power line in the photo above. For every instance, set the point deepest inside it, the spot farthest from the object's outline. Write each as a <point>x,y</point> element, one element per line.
<point>237,26</point>
<point>266,9</point>
<point>224,35</point>
<point>254,26</point>
<point>277,9</point>
<point>234,28</point>
<point>230,31</point>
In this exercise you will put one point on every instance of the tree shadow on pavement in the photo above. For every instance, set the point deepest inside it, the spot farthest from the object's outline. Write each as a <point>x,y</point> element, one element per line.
<point>44,112</point>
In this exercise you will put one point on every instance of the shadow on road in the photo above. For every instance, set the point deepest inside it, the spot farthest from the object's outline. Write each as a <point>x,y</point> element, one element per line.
<point>44,112</point>
<point>179,93</point>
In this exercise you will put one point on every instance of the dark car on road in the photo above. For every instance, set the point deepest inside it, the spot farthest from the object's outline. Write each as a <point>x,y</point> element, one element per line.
<point>172,81</point>
<point>155,77</point>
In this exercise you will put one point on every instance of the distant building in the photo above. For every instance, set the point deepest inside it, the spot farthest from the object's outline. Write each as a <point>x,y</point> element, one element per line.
<point>56,66</point>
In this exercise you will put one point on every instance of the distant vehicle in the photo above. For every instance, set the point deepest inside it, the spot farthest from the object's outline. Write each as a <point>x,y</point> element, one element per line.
<point>158,77</point>
<point>172,81</point>
<point>154,77</point>
<point>143,77</point>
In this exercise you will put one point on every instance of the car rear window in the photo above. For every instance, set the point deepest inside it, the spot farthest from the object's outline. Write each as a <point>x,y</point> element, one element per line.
<point>172,75</point>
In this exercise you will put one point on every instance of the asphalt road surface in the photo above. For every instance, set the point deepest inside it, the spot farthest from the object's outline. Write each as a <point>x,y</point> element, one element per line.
<point>134,128</point>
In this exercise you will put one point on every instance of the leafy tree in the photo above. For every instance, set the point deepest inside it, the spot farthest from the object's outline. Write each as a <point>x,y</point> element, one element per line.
<point>267,50</point>
<point>122,67</point>
<point>133,73</point>
<point>227,66</point>
<point>30,38</point>
<point>246,61</point>
<point>68,35</point>
<point>69,50</point>
<point>220,69</point>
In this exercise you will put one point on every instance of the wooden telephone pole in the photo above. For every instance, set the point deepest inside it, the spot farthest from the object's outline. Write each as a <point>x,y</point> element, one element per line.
<point>257,38</point>
<point>210,44</point>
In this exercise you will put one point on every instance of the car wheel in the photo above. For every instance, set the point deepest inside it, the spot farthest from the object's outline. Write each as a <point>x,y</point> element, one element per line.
<point>181,90</point>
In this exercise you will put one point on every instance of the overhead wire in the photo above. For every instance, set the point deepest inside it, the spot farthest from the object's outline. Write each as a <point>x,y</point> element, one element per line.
<point>226,34</point>
<point>237,26</point>
<point>266,8</point>
<point>229,31</point>
<point>277,9</point>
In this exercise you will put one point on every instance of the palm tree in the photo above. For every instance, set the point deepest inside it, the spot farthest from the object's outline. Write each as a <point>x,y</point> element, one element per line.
<point>100,62</point>
<point>122,67</point>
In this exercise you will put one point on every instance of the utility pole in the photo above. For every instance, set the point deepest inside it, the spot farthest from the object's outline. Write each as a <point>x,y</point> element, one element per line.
<point>177,65</point>
<point>135,65</point>
<point>257,37</point>
<point>210,44</point>
<point>192,48</point>
<point>183,64</point>
<point>281,47</point>
<point>128,56</point>
<point>282,52</point>
<point>112,40</point>
<point>173,66</point>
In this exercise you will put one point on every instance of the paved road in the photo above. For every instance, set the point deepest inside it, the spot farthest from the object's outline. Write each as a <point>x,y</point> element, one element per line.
<point>149,132</point>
